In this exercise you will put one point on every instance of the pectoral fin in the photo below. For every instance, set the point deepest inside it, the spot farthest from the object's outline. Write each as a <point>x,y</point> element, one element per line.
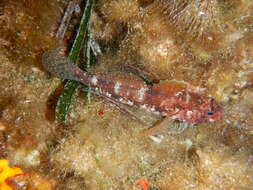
<point>168,126</point>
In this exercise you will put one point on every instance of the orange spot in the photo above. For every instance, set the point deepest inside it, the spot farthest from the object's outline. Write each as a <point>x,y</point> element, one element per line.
<point>142,183</point>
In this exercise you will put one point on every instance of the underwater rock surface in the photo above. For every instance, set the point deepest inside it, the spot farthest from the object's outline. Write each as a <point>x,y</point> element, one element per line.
<point>208,44</point>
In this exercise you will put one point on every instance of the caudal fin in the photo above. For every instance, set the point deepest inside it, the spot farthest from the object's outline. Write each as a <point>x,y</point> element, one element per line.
<point>58,65</point>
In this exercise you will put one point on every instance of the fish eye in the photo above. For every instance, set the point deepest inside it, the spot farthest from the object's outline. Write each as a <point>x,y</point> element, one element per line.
<point>210,113</point>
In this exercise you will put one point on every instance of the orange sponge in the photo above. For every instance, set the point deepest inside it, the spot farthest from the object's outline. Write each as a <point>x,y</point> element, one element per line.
<point>6,172</point>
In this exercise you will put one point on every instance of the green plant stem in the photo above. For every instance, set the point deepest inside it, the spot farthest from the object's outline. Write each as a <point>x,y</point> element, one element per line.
<point>82,31</point>
<point>66,100</point>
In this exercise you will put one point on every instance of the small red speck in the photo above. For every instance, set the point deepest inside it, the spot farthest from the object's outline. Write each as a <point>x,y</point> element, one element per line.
<point>142,183</point>
<point>101,113</point>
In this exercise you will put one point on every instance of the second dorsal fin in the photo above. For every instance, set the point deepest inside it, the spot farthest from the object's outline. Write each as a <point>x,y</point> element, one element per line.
<point>172,86</point>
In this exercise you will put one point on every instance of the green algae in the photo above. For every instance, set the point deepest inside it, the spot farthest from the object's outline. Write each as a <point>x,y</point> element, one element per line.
<point>66,100</point>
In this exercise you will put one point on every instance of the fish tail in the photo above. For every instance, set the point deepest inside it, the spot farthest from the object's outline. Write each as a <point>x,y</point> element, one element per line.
<point>58,66</point>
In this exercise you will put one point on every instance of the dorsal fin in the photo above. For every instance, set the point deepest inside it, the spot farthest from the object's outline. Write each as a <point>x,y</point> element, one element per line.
<point>172,86</point>
<point>124,79</point>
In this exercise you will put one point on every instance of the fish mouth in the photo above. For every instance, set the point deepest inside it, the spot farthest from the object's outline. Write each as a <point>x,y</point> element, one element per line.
<point>215,117</point>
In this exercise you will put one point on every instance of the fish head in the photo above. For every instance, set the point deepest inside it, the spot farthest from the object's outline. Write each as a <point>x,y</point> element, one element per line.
<point>203,109</point>
<point>210,110</point>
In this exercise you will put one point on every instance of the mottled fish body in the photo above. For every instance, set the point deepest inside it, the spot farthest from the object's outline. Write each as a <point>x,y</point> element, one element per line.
<point>173,99</point>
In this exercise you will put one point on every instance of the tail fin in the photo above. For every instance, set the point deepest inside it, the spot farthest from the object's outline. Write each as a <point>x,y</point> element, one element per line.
<point>58,65</point>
